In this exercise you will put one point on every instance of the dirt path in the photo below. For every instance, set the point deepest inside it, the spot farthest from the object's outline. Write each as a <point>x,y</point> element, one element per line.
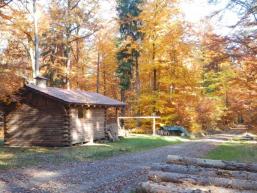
<point>115,175</point>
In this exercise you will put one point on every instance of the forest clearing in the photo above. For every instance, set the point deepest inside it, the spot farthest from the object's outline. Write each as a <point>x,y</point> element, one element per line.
<point>128,96</point>
<point>103,169</point>
<point>13,158</point>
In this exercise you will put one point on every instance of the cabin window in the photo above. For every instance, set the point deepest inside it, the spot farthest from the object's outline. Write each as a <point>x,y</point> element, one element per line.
<point>80,113</point>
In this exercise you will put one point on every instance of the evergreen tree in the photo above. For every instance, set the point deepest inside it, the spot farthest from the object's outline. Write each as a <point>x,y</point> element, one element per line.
<point>130,35</point>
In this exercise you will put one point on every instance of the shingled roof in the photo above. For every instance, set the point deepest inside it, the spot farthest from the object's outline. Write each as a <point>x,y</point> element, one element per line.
<point>76,96</point>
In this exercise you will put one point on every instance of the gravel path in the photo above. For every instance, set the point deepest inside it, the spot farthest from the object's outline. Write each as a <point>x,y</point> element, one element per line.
<point>115,175</point>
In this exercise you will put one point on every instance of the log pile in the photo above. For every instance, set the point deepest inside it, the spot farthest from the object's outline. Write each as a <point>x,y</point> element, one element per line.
<point>193,175</point>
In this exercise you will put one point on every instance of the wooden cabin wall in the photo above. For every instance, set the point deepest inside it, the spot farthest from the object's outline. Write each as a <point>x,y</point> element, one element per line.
<point>38,121</point>
<point>1,121</point>
<point>111,121</point>
<point>89,127</point>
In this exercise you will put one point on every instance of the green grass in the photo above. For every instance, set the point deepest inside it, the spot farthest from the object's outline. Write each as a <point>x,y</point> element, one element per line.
<point>243,152</point>
<point>23,157</point>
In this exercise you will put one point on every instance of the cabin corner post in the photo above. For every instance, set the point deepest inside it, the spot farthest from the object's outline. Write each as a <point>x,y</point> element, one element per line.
<point>67,125</point>
<point>105,123</point>
<point>105,117</point>
<point>5,128</point>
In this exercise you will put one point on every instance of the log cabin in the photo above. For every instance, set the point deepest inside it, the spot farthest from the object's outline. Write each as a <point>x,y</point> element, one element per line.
<point>50,116</point>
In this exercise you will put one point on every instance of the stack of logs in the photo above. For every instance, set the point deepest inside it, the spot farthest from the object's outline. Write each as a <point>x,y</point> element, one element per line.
<point>192,175</point>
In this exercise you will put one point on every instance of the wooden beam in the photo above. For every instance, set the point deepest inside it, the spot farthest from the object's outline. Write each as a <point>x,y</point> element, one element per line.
<point>144,117</point>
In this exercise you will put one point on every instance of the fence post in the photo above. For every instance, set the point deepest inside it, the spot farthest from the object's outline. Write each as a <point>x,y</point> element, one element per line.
<point>154,129</point>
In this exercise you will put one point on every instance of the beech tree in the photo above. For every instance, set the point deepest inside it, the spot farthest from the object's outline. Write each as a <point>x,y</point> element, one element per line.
<point>72,22</point>
<point>148,55</point>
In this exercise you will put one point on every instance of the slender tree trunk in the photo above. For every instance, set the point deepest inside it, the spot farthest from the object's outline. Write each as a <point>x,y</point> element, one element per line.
<point>137,91</point>
<point>154,70</point>
<point>68,66</point>
<point>137,78</point>
<point>154,77</point>
<point>104,79</point>
<point>123,99</point>
<point>67,52</point>
<point>77,56</point>
<point>32,57</point>
<point>36,42</point>
<point>98,72</point>
<point>77,47</point>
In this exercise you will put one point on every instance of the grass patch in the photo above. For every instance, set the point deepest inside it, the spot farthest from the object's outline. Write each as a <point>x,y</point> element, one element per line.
<point>23,157</point>
<point>243,152</point>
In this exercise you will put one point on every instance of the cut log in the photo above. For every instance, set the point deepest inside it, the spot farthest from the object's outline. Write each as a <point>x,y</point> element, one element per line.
<point>202,180</point>
<point>152,187</point>
<point>201,171</point>
<point>226,165</point>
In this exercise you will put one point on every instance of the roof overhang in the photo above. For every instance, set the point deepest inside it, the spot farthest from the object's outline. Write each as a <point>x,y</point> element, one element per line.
<point>119,104</point>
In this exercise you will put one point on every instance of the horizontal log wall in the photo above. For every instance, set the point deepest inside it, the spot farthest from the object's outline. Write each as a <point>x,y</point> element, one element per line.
<point>90,127</point>
<point>113,127</point>
<point>40,121</point>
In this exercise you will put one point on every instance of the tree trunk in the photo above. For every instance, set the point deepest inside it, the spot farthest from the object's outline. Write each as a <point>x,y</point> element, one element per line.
<point>201,171</point>
<point>68,66</point>
<point>137,78</point>
<point>67,52</point>
<point>154,77</point>
<point>77,56</point>
<point>104,79</point>
<point>164,187</point>
<point>36,41</point>
<point>98,72</point>
<point>226,165</point>
<point>202,180</point>
<point>154,70</point>
<point>123,99</point>
<point>32,57</point>
<point>151,187</point>
<point>77,46</point>
<point>137,92</point>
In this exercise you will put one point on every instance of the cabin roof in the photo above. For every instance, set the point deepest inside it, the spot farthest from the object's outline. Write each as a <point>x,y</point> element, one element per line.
<point>76,96</point>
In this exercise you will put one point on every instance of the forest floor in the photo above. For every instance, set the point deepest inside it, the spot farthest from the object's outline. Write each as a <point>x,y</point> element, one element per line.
<point>119,173</point>
<point>22,157</point>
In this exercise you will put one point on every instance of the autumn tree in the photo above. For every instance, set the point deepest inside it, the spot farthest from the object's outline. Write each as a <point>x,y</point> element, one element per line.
<point>72,22</point>
<point>170,80</point>
<point>18,54</point>
<point>242,50</point>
